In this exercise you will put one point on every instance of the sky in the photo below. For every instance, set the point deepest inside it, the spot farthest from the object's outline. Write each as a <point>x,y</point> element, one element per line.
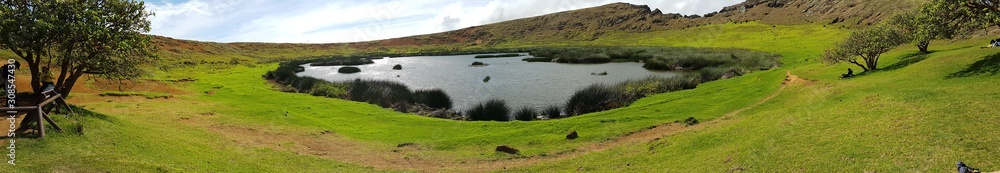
<point>337,21</point>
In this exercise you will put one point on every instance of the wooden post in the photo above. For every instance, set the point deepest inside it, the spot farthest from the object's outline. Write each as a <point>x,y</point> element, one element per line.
<point>41,125</point>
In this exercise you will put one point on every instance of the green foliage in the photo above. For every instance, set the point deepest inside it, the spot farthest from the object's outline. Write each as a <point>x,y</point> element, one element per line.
<point>335,61</point>
<point>525,114</point>
<point>101,38</point>
<point>923,25</point>
<point>490,110</point>
<point>348,70</point>
<point>868,44</point>
<point>329,89</point>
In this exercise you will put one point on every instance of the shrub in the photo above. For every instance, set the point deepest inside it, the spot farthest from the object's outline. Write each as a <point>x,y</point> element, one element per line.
<point>525,114</point>
<point>387,94</point>
<point>328,89</point>
<point>434,98</point>
<point>596,98</point>
<point>348,70</point>
<point>552,112</point>
<point>491,110</point>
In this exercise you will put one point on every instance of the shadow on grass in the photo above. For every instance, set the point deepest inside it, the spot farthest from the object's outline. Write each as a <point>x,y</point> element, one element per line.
<point>990,65</point>
<point>907,60</point>
<point>88,113</point>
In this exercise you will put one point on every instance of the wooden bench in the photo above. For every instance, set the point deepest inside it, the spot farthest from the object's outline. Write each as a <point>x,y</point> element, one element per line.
<point>39,110</point>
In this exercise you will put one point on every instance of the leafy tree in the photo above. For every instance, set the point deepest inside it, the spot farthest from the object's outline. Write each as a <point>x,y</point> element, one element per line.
<point>923,25</point>
<point>868,45</point>
<point>966,15</point>
<point>103,38</point>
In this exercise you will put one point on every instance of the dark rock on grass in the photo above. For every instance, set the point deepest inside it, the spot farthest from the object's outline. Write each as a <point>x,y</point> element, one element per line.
<point>690,121</point>
<point>572,135</point>
<point>506,149</point>
<point>348,70</point>
<point>397,67</point>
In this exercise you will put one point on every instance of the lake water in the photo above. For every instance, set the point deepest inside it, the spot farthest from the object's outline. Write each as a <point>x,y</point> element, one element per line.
<point>520,83</point>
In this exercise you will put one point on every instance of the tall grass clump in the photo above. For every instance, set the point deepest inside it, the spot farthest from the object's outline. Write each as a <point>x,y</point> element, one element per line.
<point>525,114</point>
<point>490,110</point>
<point>552,112</point>
<point>434,98</point>
<point>595,98</point>
<point>601,97</point>
<point>380,92</point>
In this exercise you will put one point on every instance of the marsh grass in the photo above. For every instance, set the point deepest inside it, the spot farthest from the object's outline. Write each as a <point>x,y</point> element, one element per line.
<point>490,110</point>
<point>525,114</point>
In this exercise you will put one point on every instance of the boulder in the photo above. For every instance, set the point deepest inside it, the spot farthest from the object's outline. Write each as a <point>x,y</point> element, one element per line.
<point>397,67</point>
<point>572,135</point>
<point>506,149</point>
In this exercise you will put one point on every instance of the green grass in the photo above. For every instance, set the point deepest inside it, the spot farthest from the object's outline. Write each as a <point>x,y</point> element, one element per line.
<point>912,118</point>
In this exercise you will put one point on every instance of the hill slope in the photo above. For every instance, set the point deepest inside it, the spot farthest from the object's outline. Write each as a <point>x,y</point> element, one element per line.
<point>911,117</point>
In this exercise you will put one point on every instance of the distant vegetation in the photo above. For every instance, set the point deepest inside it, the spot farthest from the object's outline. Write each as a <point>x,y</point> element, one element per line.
<point>659,58</point>
<point>342,61</point>
<point>498,55</point>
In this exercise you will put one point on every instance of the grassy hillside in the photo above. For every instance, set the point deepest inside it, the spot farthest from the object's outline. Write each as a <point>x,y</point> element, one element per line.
<point>207,109</point>
<point>911,118</point>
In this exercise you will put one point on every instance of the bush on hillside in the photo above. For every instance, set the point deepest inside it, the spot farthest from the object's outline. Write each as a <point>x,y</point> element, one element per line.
<point>329,89</point>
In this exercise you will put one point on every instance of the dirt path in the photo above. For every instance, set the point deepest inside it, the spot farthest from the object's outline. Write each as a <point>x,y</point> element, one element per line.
<point>417,158</point>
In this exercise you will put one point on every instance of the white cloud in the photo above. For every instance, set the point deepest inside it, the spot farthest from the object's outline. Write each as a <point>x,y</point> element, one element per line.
<point>320,21</point>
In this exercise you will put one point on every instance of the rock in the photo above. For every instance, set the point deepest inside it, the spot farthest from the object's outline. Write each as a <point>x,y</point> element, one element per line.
<point>506,149</point>
<point>397,67</point>
<point>572,135</point>
<point>487,79</point>
<point>690,121</point>
<point>477,63</point>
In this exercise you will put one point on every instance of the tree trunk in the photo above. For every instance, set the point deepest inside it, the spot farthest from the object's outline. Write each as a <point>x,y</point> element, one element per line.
<point>922,45</point>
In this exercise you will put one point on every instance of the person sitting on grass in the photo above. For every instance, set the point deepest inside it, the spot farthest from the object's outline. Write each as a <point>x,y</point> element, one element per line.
<point>962,168</point>
<point>850,73</point>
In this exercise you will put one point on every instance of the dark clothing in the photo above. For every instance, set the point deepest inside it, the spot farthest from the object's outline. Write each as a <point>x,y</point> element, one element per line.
<point>962,168</point>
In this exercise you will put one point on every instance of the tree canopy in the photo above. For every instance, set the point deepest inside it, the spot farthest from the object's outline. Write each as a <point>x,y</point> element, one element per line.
<point>868,45</point>
<point>103,38</point>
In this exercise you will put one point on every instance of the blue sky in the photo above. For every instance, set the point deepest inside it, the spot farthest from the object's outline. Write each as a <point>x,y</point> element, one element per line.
<point>326,21</point>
